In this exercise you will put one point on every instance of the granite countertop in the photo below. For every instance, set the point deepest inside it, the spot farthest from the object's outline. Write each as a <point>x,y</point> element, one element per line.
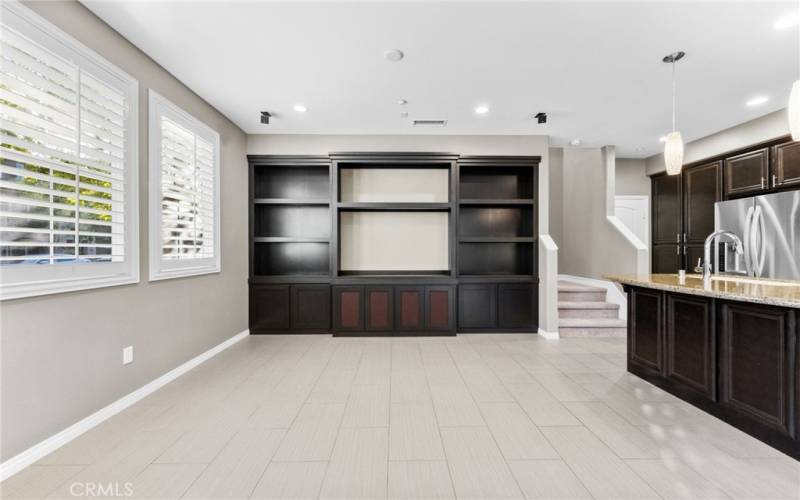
<point>757,290</point>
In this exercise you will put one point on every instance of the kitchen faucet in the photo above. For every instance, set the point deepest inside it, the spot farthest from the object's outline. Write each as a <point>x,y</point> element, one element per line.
<point>738,248</point>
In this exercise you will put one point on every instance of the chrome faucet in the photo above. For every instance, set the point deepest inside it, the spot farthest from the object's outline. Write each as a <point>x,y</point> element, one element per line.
<point>738,248</point>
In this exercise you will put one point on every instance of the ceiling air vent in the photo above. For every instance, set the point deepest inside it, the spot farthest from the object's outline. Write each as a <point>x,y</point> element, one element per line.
<point>430,123</point>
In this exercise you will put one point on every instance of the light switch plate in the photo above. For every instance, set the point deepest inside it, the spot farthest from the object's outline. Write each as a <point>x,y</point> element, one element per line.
<point>127,355</point>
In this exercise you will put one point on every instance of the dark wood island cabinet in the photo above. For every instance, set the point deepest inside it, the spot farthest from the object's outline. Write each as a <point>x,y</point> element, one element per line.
<point>738,359</point>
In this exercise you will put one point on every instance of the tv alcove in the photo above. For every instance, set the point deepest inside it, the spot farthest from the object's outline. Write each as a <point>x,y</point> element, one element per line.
<point>362,244</point>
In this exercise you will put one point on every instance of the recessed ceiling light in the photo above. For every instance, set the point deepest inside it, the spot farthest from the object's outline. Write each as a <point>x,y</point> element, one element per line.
<point>300,108</point>
<point>575,142</point>
<point>663,138</point>
<point>393,55</point>
<point>481,110</point>
<point>787,21</point>
<point>757,101</point>
<point>402,102</point>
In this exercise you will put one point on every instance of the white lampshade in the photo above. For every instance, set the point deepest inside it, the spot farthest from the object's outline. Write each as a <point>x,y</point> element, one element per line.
<point>794,111</point>
<point>673,153</point>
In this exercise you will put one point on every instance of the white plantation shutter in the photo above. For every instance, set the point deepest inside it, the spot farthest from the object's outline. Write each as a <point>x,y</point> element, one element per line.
<point>67,162</point>
<point>184,210</point>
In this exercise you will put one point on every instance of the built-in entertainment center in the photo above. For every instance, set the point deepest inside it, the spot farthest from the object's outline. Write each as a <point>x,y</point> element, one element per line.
<point>393,243</point>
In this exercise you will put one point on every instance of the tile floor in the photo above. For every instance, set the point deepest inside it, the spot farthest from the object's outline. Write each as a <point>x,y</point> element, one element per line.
<point>471,417</point>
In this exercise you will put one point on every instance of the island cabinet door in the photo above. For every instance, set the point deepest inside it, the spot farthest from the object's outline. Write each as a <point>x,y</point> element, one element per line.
<point>690,338</point>
<point>645,332</point>
<point>757,350</point>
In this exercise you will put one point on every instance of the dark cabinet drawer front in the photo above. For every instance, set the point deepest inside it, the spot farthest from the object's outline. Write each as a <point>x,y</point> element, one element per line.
<point>690,343</point>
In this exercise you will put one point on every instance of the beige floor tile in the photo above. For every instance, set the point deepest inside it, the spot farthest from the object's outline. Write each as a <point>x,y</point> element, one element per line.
<point>563,388</point>
<point>235,472</point>
<point>312,434</point>
<point>420,480</point>
<point>165,481</point>
<point>359,466</point>
<point>675,481</point>
<point>409,386</point>
<point>603,473</point>
<point>275,414</point>
<point>291,481</point>
<point>367,406</point>
<point>541,406</point>
<point>476,465</point>
<point>626,440</point>
<point>414,433</point>
<point>547,480</point>
<point>454,406</point>
<point>484,384</point>
<point>514,432</point>
<point>37,481</point>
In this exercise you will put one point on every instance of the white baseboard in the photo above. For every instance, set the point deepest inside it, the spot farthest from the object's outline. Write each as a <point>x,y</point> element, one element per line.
<point>38,451</point>
<point>613,293</point>
<point>549,335</point>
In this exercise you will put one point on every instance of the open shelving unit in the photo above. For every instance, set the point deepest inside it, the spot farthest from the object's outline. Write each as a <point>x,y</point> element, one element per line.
<point>290,218</point>
<point>496,217</point>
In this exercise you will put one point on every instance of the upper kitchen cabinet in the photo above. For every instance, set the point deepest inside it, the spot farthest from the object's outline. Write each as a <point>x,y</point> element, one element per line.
<point>702,187</point>
<point>747,173</point>
<point>786,165</point>
<point>666,231</point>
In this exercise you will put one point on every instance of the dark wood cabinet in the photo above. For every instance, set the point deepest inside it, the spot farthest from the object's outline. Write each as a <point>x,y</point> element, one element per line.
<point>379,308</point>
<point>690,343</point>
<point>269,308</point>
<point>477,306</point>
<point>757,361</point>
<point>666,209</point>
<point>409,308</point>
<point>786,165</point>
<point>348,308</point>
<point>311,307</point>
<point>666,259</point>
<point>517,306</point>
<point>702,188</point>
<point>645,333</point>
<point>439,308</point>
<point>747,173</point>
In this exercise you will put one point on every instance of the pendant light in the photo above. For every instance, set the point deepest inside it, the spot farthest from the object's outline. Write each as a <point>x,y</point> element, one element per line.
<point>673,149</point>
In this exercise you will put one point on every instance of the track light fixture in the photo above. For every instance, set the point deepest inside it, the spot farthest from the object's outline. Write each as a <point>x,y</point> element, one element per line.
<point>265,116</point>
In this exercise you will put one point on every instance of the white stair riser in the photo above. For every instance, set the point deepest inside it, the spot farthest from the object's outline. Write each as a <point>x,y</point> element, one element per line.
<point>582,296</point>
<point>592,332</point>
<point>588,313</point>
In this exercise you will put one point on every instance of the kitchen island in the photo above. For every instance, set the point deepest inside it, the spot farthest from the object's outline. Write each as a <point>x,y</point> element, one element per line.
<point>730,347</point>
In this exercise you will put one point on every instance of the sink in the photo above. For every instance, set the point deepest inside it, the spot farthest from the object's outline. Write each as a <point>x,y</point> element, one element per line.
<point>746,280</point>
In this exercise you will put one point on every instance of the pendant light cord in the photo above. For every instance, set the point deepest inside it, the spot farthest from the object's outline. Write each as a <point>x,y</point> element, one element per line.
<point>673,95</point>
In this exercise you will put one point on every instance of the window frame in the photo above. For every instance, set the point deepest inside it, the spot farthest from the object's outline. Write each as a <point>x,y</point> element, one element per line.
<point>160,268</point>
<point>30,280</point>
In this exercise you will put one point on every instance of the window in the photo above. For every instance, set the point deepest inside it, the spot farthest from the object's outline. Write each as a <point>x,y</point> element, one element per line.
<point>184,193</point>
<point>68,162</point>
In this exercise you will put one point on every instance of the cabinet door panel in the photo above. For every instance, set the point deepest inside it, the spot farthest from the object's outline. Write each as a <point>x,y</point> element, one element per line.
<point>269,307</point>
<point>517,306</point>
<point>379,308</point>
<point>747,173</point>
<point>756,362</point>
<point>690,348</point>
<point>666,258</point>
<point>311,307</point>
<point>477,306</point>
<point>348,308</point>
<point>439,308</point>
<point>666,208</point>
<point>410,308</point>
<point>786,164</point>
<point>645,335</point>
<point>702,187</point>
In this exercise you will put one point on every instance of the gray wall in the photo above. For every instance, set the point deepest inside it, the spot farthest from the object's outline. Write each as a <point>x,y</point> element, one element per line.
<point>556,195</point>
<point>632,177</point>
<point>767,127</point>
<point>62,354</point>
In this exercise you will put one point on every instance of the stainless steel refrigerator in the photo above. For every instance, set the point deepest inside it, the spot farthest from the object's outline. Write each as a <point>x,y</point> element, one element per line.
<point>769,227</point>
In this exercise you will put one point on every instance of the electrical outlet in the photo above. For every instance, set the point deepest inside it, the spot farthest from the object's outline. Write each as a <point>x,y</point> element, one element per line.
<point>127,355</point>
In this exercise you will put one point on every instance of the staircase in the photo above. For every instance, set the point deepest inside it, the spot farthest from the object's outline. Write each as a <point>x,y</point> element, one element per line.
<point>584,312</point>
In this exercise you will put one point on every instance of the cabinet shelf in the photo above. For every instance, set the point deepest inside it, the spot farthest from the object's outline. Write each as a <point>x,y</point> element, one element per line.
<point>290,201</point>
<point>496,201</point>
<point>288,239</point>
<point>493,239</point>
<point>395,207</point>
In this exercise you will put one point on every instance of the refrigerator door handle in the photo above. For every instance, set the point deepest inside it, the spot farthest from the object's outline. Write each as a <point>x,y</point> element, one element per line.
<point>748,241</point>
<point>759,242</point>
